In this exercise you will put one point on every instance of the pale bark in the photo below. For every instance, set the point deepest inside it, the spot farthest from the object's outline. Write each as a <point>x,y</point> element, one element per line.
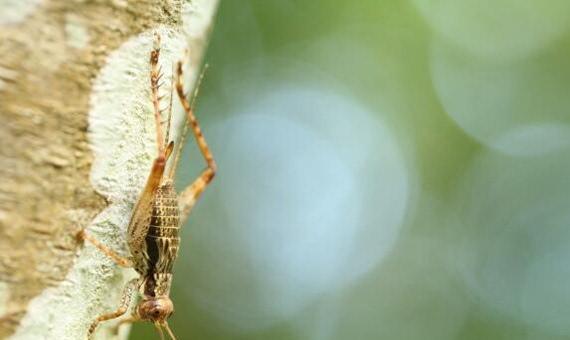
<point>76,143</point>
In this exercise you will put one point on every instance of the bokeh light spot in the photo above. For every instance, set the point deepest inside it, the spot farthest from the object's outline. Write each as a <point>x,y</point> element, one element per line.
<point>497,29</point>
<point>313,198</point>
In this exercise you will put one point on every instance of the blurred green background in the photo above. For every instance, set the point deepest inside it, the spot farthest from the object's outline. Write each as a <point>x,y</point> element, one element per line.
<point>387,170</point>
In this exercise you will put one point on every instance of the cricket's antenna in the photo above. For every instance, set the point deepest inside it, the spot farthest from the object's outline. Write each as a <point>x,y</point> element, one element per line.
<point>198,85</point>
<point>169,331</point>
<point>159,329</point>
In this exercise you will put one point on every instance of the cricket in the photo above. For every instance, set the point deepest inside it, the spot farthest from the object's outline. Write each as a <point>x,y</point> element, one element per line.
<point>153,231</point>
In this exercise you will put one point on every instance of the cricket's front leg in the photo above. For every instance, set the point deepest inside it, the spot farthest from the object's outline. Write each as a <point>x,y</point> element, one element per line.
<point>190,195</point>
<point>130,288</point>
<point>131,319</point>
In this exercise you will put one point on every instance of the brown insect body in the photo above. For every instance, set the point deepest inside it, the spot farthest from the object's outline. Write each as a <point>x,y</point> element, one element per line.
<point>153,231</point>
<point>162,239</point>
<point>159,251</point>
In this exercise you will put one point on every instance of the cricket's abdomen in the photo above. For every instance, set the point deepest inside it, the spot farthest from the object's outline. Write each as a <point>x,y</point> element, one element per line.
<point>162,240</point>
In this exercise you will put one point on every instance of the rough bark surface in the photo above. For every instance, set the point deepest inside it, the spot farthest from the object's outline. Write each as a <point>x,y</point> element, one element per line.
<point>76,142</point>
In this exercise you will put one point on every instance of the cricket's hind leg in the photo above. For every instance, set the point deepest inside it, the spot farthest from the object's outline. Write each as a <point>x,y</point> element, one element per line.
<point>190,195</point>
<point>155,83</point>
<point>164,148</point>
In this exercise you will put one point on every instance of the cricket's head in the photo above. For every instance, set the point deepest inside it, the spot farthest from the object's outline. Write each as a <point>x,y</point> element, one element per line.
<point>157,310</point>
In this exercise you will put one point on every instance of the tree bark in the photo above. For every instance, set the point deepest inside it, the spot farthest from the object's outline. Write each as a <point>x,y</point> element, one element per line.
<point>76,143</point>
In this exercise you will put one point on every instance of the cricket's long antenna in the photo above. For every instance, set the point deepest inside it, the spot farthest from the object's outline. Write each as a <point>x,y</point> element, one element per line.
<point>169,331</point>
<point>172,171</point>
<point>159,329</point>
<point>198,85</point>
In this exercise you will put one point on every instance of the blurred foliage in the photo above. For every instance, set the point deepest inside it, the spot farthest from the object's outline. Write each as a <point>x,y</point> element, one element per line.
<point>387,170</point>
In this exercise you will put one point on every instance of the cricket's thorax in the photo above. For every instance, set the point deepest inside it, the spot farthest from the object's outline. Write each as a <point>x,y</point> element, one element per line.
<point>157,285</point>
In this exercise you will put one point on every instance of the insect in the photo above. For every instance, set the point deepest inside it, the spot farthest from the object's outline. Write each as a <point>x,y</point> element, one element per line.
<point>152,234</point>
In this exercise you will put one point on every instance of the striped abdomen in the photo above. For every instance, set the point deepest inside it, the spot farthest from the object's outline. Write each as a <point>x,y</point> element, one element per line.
<point>161,241</point>
<point>162,237</point>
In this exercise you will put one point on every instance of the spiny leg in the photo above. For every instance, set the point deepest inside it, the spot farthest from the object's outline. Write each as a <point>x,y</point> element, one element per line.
<point>182,141</point>
<point>118,259</point>
<point>155,83</point>
<point>155,76</point>
<point>142,207</point>
<point>125,301</point>
<point>190,195</point>
<point>167,137</point>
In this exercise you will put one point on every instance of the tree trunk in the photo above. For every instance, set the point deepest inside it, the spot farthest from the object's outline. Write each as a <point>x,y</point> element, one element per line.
<point>76,143</point>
